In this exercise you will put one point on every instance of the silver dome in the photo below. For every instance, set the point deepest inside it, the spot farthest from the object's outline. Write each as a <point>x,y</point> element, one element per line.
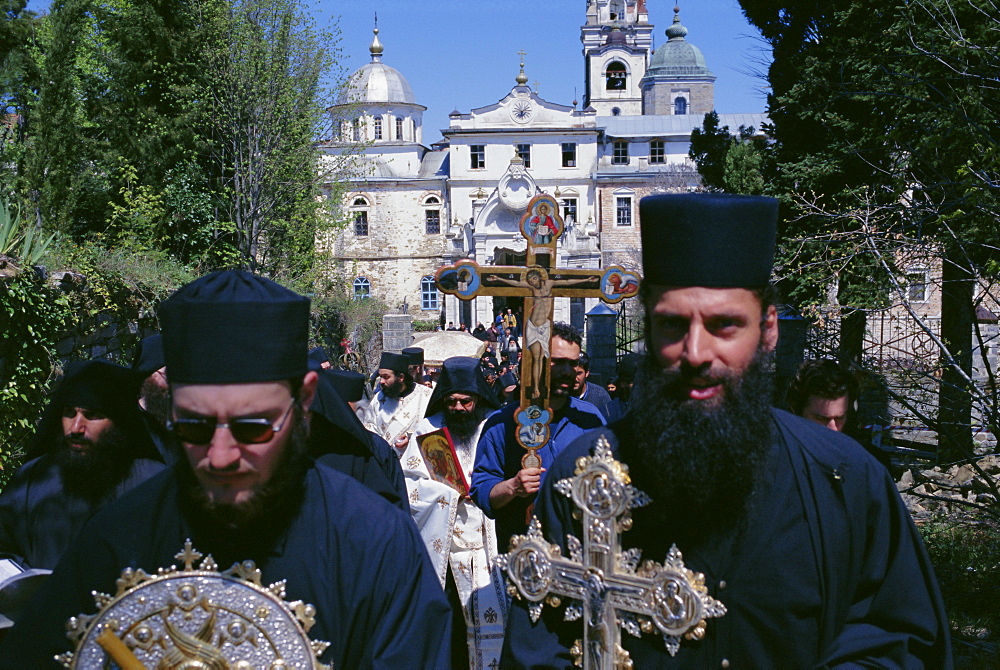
<point>377,82</point>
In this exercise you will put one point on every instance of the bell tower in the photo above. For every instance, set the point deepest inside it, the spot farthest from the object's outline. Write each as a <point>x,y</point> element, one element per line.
<point>616,40</point>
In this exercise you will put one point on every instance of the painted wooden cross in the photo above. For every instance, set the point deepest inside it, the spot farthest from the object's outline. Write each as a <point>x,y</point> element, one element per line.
<point>608,587</point>
<point>538,283</point>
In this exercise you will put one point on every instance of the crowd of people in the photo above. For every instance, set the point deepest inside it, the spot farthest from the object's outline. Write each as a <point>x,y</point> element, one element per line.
<point>386,507</point>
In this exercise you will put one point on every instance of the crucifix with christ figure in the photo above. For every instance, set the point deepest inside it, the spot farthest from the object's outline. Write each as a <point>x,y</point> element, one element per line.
<point>538,283</point>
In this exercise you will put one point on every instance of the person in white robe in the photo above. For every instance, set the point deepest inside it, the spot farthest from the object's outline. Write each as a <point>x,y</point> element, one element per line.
<point>399,405</point>
<point>460,538</point>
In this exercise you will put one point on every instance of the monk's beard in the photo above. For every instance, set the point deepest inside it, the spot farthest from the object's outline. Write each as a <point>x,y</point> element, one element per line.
<point>94,473</point>
<point>462,425</point>
<point>267,512</point>
<point>701,461</point>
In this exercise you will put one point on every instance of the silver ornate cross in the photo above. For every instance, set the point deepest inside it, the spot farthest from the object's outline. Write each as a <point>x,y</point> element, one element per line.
<point>608,587</point>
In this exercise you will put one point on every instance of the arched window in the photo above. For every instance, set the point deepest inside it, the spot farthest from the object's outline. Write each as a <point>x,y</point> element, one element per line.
<point>432,215</point>
<point>428,293</point>
<point>378,127</point>
<point>399,128</point>
<point>615,76</point>
<point>362,288</point>
<point>615,111</point>
<point>359,214</point>
<point>680,106</point>
<point>356,130</point>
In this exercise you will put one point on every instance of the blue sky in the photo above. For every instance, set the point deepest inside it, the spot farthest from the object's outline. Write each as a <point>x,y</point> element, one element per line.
<point>461,54</point>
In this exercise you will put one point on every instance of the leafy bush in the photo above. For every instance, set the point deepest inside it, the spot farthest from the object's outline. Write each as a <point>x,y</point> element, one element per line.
<point>966,557</point>
<point>34,315</point>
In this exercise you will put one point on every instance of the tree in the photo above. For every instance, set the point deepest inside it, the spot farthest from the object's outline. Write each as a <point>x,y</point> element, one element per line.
<point>709,146</point>
<point>890,108</point>
<point>728,163</point>
<point>263,106</point>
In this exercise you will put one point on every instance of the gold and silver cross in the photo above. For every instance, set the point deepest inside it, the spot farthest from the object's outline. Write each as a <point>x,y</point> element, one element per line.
<point>607,587</point>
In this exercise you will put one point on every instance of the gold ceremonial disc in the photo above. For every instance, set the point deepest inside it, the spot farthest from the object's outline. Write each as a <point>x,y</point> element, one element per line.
<point>195,618</point>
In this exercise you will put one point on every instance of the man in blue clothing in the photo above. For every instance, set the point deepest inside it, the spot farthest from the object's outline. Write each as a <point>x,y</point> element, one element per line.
<point>596,395</point>
<point>800,534</point>
<point>500,486</point>
<point>245,488</point>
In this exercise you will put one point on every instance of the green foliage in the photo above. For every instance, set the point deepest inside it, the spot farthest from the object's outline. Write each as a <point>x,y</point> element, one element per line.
<point>965,558</point>
<point>120,285</point>
<point>136,223</point>
<point>33,316</point>
<point>25,242</point>
<point>10,229</point>
<point>335,316</point>
<point>709,146</point>
<point>263,67</point>
<point>728,163</point>
<point>176,127</point>
<point>424,326</point>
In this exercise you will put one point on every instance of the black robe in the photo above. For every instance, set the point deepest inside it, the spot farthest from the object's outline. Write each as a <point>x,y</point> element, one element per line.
<point>39,519</point>
<point>830,571</point>
<point>359,560</point>
<point>339,440</point>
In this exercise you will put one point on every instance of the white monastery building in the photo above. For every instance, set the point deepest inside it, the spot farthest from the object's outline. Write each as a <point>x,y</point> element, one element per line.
<point>413,208</point>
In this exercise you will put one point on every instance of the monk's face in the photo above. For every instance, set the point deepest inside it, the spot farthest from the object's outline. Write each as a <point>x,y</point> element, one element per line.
<point>706,335</point>
<point>231,462</point>
<point>83,427</point>
<point>392,384</point>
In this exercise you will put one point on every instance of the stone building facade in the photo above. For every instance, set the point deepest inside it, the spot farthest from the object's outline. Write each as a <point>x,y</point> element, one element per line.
<point>412,209</point>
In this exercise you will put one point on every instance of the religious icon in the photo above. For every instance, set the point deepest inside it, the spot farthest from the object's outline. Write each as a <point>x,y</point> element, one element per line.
<point>538,323</point>
<point>462,279</point>
<point>542,228</point>
<point>442,463</point>
<point>617,284</point>
<point>533,426</point>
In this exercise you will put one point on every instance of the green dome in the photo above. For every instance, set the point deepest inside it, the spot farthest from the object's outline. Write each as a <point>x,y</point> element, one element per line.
<point>678,57</point>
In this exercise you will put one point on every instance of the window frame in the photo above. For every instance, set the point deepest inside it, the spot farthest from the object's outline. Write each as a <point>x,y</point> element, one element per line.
<point>623,210</point>
<point>399,128</point>
<point>657,152</point>
<point>569,154</point>
<point>524,153</point>
<point>359,214</point>
<point>477,150</point>
<point>430,298</point>
<point>619,152</point>
<point>377,123</point>
<point>680,101</point>
<point>362,288</point>
<point>430,214</point>
<point>570,208</point>
<point>923,285</point>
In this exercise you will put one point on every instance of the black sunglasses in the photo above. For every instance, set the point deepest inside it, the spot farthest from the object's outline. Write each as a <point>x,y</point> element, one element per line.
<point>244,431</point>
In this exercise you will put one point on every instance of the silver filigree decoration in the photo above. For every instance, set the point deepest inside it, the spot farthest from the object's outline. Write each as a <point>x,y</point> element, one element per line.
<point>610,589</point>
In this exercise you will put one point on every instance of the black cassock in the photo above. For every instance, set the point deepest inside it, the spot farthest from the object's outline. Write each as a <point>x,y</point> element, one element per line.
<point>830,571</point>
<point>339,440</point>
<point>39,519</point>
<point>347,551</point>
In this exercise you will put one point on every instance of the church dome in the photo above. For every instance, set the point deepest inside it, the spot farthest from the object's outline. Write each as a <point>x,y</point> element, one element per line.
<point>377,82</point>
<point>678,56</point>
